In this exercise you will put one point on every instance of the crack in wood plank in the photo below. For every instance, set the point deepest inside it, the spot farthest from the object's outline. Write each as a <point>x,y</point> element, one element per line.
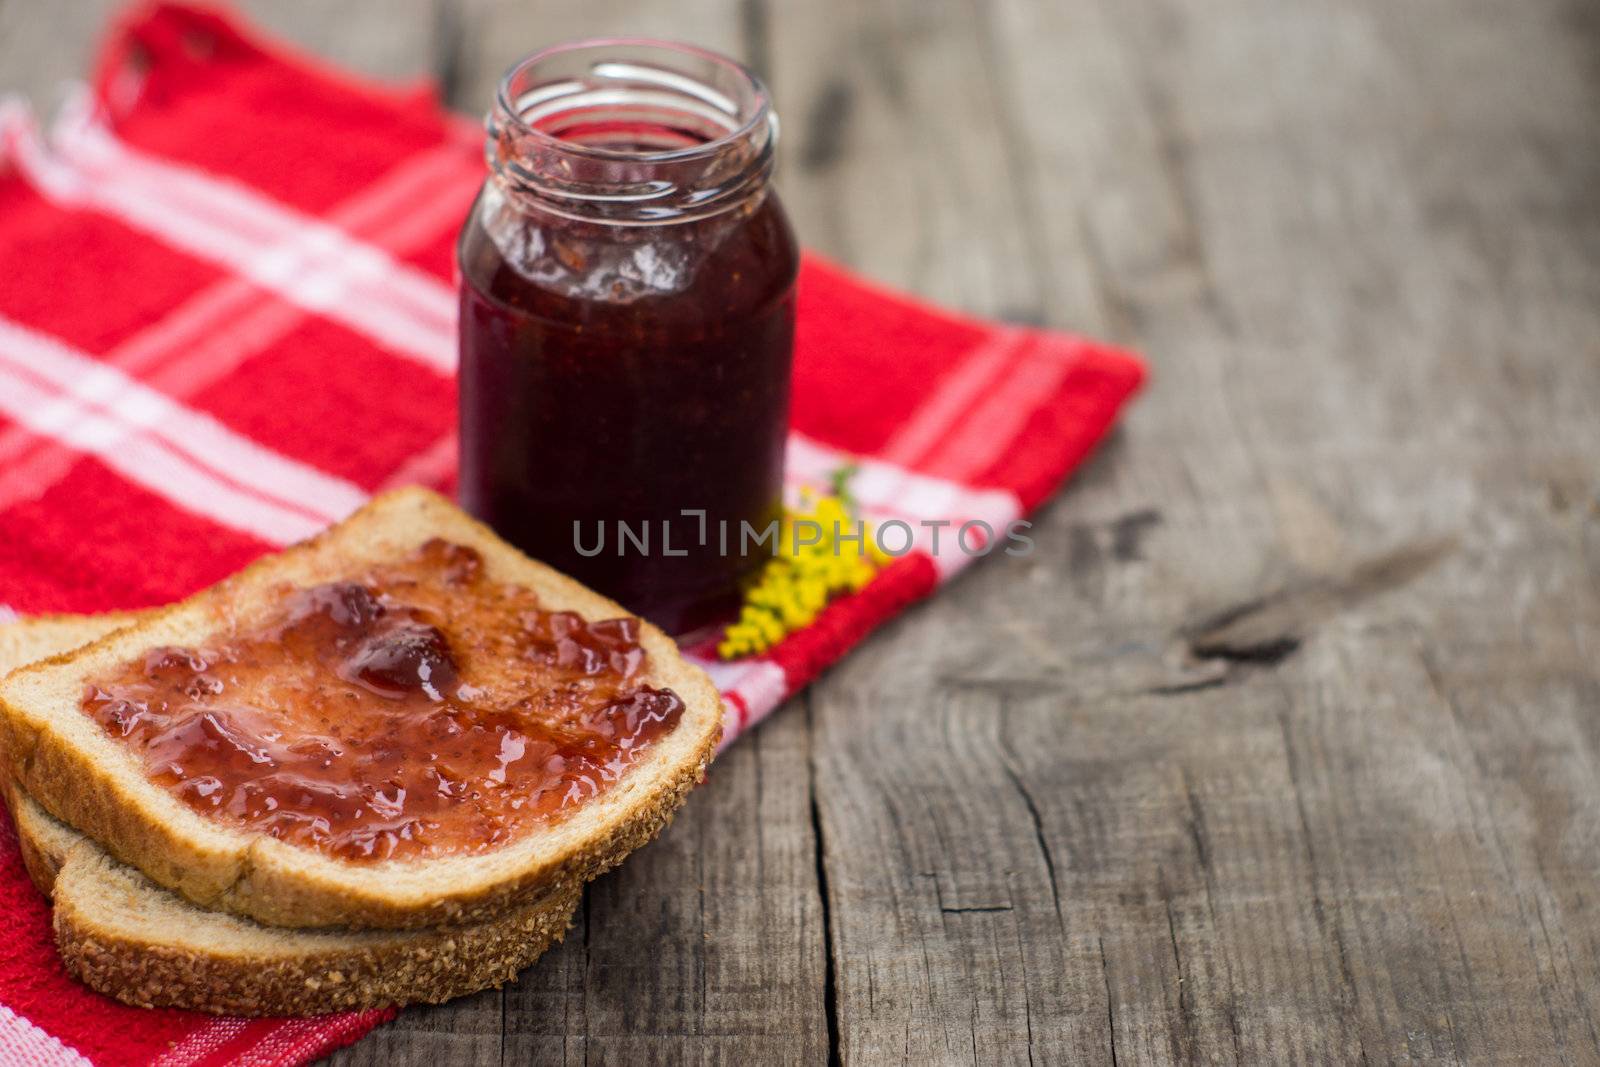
<point>1182,1037</point>
<point>1111,1002</point>
<point>1008,762</point>
<point>1348,992</point>
<point>830,977</point>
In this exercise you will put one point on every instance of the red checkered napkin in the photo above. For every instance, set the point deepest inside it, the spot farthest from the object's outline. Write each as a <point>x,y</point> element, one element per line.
<point>228,318</point>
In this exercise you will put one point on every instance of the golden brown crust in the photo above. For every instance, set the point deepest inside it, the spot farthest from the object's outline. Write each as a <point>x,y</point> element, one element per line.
<point>151,974</point>
<point>218,867</point>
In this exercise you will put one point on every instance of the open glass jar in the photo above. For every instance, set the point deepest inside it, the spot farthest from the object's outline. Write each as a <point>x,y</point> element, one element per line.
<point>627,323</point>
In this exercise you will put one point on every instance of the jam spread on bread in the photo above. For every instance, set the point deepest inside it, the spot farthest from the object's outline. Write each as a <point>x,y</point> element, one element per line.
<point>419,710</point>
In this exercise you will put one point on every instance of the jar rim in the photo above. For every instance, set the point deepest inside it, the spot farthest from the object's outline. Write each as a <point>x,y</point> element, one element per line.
<point>760,102</point>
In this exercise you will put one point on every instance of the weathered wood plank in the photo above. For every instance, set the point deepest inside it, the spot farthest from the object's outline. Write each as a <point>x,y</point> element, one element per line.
<point>395,39</point>
<point>893,159</point>
<point>1223,880</point>
<point>44,46</point>
<point>494,34</point>
<point>467,1031</point>
<point>1314,269</point>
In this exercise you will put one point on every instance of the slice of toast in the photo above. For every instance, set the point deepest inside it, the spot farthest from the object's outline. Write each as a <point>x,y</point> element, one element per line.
<point>79,774</point>
<point>125,936</point>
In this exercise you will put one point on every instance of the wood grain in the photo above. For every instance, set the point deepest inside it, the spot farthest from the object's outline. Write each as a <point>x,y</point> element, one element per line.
<point>1284,746</point>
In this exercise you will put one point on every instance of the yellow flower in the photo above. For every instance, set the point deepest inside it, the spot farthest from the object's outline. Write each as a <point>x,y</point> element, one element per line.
<point>796,584</point>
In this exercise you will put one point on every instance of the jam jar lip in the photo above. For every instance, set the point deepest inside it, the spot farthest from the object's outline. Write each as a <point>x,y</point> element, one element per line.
<point>631,131</point>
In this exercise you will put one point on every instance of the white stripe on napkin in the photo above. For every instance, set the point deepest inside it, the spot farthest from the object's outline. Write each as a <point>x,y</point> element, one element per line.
<point>305,260</point>
<point>22,1044</point>
<point>176,452</point>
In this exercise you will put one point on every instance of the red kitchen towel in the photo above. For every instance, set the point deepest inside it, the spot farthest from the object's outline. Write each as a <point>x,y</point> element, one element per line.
<point>228,318</point>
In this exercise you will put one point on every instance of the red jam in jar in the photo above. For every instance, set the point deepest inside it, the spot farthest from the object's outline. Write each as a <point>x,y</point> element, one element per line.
<point>627,324</point>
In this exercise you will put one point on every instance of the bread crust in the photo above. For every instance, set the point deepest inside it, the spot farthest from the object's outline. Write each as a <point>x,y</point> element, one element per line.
<point>84,779</point>
<point>146,969</point>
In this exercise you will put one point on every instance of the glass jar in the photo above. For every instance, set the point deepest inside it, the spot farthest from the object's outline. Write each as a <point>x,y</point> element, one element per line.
<point>627,324</point>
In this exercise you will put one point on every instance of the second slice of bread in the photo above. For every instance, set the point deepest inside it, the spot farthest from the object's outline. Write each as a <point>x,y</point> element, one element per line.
<point>123,935</point>
<point>80,775</point>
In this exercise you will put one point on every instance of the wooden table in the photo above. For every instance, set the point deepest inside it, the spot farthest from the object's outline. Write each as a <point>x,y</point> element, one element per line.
<point>1285,745</point>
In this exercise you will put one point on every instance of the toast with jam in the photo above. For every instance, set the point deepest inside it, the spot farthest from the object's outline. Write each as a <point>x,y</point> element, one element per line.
<point>400,723</point>
<point>125,936</point>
